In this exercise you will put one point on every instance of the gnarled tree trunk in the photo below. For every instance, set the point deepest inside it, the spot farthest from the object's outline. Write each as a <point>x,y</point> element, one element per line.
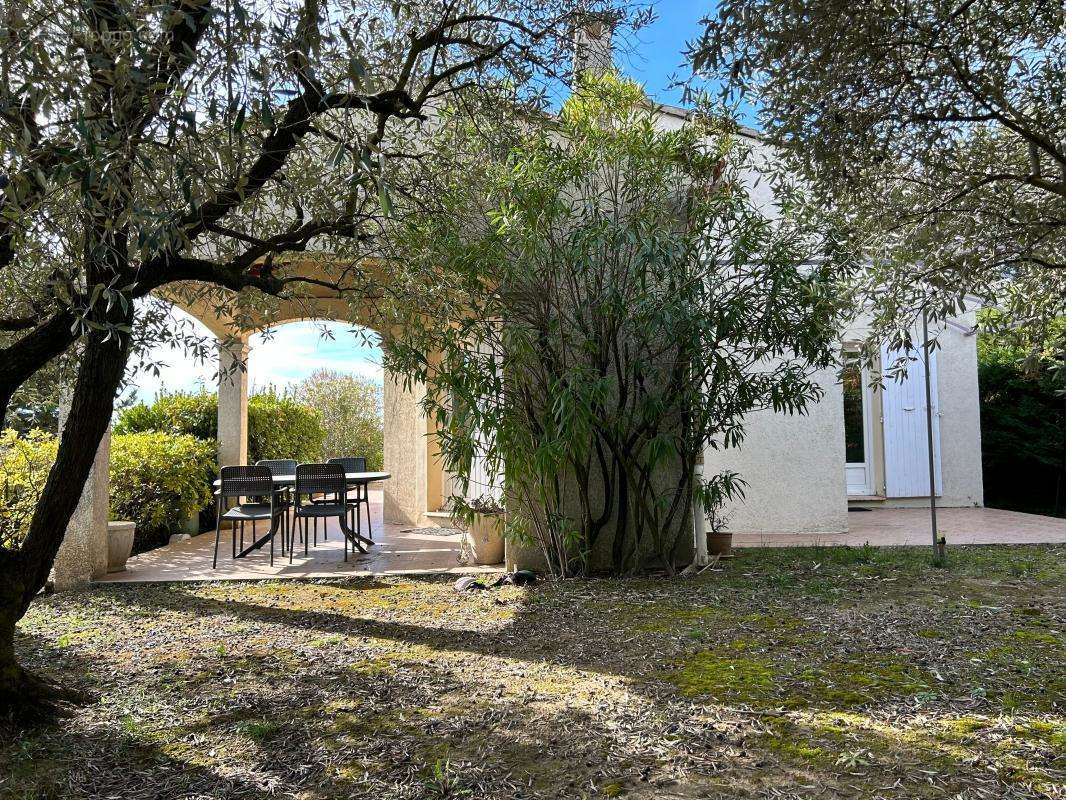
<point>23,573</point>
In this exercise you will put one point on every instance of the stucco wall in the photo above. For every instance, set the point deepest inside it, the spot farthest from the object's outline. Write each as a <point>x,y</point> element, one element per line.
<point>960,420</point>
<point>960,416</point>
<point>405,454</point>
<point>794,466</point>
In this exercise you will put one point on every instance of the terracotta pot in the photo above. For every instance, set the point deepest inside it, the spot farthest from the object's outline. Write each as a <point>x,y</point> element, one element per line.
<point>719,544</point>
<point>119,544</point>
<point>485,539</point>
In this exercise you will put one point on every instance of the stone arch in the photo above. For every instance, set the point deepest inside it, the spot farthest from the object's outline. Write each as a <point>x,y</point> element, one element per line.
<point>417,492</point>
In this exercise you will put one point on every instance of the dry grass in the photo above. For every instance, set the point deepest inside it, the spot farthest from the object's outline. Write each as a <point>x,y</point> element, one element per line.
<point>799,673</point>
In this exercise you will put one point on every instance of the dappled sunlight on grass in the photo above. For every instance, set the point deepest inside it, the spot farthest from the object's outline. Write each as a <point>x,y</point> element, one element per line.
<point>804,672</point>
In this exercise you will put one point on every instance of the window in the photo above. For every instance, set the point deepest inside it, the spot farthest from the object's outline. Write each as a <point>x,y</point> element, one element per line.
<point>854,427</point>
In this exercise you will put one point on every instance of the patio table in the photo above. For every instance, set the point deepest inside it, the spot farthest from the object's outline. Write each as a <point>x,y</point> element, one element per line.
<point>282,482</point>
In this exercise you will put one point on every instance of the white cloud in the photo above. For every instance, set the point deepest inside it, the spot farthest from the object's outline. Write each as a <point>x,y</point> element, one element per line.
<point>280,358</point>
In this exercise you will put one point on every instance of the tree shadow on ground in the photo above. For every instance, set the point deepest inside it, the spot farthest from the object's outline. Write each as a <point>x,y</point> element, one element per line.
<point>369,725</point>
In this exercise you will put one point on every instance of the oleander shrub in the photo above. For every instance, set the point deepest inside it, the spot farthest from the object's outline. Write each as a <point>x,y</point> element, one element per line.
<point>158,480</point>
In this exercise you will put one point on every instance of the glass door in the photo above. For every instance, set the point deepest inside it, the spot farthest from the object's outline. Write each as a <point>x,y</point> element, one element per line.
<point>857,461</point>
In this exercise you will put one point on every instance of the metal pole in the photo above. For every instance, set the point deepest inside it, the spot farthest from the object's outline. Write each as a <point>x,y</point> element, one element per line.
<point>929,432</point>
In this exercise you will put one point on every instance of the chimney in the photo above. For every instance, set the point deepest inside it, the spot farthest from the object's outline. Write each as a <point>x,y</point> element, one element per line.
<point>593,49</point>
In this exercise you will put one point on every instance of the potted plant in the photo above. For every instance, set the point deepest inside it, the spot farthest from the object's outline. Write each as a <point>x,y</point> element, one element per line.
<point>483,534</point>
<point>119,544</point>
<point>719,537</point>
<point>715,493</point>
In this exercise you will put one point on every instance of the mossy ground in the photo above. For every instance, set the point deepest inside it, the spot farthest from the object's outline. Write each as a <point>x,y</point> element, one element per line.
<point>790,673</point>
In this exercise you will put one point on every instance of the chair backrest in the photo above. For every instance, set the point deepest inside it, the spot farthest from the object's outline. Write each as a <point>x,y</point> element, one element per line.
<point>350,463</point>
<point>278,466</point>
<point>320,479</point>
<point>246,482</point>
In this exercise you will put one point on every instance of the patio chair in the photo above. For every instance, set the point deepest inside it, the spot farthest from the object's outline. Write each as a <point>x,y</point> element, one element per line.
<point>247,483</point>
<point>325,490</point>
<point>362,495</point>
<point>281,466</point>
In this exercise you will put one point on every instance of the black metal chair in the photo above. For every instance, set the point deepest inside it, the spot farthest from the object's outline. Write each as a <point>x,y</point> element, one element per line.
<point>281,466</point>
<point>325,490</point>
<point>247,483</point>
<point>362,495</point>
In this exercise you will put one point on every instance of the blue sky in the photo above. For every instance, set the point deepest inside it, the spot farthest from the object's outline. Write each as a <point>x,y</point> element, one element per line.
<point>295,350</point>
<point>656,58</point>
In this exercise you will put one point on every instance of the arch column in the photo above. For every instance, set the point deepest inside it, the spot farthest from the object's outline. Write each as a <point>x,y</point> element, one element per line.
<point>233,401</point>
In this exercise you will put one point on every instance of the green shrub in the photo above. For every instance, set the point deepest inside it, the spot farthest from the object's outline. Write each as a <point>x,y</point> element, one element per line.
<point>24,465</point>
<point>1023,434</point>
<point>195,414</point>
<point>278,426</point>
<point>158,480</point>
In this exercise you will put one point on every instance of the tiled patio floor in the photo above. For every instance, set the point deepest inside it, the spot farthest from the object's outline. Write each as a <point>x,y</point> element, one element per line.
<point>402,550</point>
<point>398,549</point>
<point>910,526</point>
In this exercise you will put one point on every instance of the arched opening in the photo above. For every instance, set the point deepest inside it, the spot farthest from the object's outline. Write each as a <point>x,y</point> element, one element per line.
<point>250,357</point>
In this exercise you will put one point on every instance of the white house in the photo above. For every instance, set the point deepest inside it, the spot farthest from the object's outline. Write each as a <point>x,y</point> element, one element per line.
<point>864,445</point>
<point>860,446</point>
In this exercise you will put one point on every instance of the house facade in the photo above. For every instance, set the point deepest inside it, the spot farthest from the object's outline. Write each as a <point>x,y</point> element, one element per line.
<point>865,443</point>
<point>862,445</point>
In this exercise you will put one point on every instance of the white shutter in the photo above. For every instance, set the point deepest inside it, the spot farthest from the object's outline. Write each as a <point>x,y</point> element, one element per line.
<point>906,443</point>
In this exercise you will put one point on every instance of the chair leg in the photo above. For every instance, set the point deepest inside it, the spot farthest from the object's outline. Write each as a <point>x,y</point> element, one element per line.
<point>307,536</point>
<point>218,532</point>
<point>356,544</point>
<point>292,536</point>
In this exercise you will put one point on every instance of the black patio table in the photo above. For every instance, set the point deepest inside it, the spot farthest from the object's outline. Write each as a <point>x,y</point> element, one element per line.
<point>286,481</point>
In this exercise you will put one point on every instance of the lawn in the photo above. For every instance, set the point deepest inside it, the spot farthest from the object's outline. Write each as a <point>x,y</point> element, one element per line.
<point>789,673</point>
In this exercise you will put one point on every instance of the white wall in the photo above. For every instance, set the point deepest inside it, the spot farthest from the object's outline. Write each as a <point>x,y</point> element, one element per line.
<point>960,419</point>
<point>959,406</point>
<point>794,466</point>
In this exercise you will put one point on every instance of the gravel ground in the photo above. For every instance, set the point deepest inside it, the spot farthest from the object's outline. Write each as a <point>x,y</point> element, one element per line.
<point>787,673</point>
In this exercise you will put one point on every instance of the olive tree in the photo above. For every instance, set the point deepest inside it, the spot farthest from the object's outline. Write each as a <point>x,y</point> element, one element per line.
<point>199,148</point>
<point>619,303</point>
<point>938,127</point>
<point>351,409</point>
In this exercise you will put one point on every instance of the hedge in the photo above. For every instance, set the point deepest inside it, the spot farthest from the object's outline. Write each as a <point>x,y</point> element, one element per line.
<point>157,480</point>
<point>1023,436</point>
<point>24,464</point>
<point>278,427</point>
<point>195,414</point>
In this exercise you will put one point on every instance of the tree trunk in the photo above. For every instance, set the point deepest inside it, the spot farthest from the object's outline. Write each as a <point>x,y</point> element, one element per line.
<point>23,574</point>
